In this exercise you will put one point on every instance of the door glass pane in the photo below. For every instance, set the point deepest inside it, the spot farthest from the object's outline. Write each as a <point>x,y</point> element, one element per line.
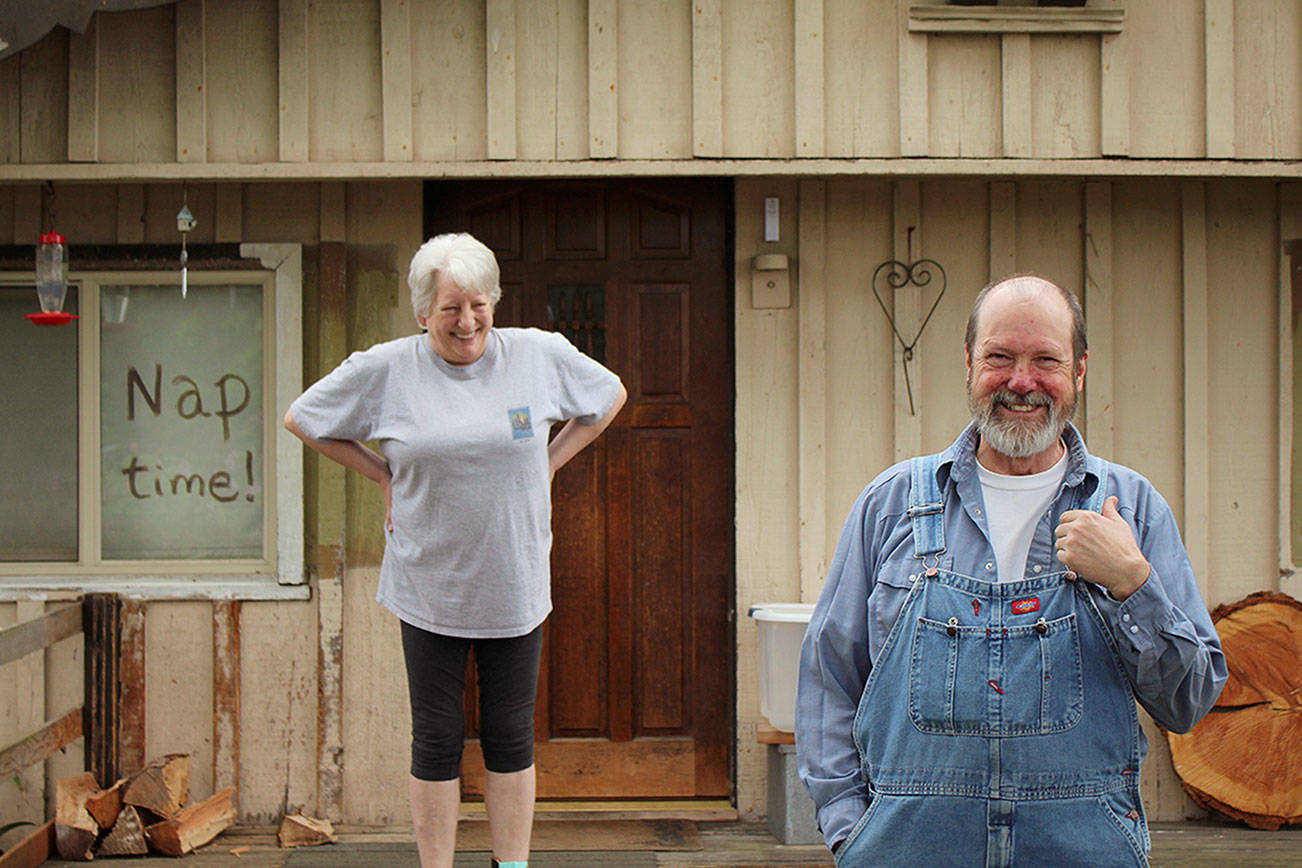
<point>181,422</point>
<point>38,431</point>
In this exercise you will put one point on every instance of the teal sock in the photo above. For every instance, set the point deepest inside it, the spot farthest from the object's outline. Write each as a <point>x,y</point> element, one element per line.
<point>510,864</point>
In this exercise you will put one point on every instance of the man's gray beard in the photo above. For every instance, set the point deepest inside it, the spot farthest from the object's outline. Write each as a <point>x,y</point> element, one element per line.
<point>1015,438</point>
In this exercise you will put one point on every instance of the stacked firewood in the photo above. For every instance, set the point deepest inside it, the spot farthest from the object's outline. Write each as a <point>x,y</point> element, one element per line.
<point>146,811</point>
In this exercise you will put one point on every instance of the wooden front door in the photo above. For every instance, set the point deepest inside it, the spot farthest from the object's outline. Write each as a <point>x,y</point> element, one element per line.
<point>635,693</point>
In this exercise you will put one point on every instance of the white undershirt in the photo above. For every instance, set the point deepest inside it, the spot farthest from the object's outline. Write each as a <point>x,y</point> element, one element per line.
<point>1014,505</point>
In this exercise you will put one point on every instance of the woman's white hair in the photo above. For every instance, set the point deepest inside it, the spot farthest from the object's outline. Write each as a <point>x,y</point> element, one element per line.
<point>464,258</point>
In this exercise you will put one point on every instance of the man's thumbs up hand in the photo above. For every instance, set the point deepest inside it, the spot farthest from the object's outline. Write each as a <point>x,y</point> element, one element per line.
<point>1100,548</point>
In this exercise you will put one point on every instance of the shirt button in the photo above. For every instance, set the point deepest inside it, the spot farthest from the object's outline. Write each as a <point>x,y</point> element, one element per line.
<point>1134,628</point>
<point>1038,568</point>
<point>976,511</point>
<point>1125,617</point>
<point>990,565</point>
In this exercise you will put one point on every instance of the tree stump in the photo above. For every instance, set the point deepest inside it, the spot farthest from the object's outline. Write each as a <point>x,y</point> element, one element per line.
<point>1241,759</point>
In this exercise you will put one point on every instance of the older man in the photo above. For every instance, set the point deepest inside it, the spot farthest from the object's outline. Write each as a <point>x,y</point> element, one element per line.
<point>969,676</point>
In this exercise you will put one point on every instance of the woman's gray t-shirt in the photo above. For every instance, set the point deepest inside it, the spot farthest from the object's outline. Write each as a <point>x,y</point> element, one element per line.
<point>469,553</point>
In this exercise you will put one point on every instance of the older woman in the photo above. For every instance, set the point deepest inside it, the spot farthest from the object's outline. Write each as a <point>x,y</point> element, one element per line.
<point>462,417</point>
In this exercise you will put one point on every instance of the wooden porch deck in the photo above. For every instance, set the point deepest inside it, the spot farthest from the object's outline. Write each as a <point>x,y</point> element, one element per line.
<point>688,845</point>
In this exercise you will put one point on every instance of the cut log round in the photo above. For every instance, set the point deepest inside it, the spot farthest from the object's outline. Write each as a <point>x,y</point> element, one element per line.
<point>1241,759</point>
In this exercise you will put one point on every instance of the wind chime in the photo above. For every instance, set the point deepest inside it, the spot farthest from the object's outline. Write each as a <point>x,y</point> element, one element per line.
<point>51,268</point>
<point>184,223</point>
<point>899,275</point>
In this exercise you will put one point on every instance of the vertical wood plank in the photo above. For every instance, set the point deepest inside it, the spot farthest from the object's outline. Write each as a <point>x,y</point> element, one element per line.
<point>43,86</point>
<point>226,696</point>
<point>178,684</point>
<point>1218,19</point>
<point>292,79</point>
<point>228,213</point>
<point>1099,400</point>
<point>500,23</point>
<point>1197,407</point>
<point>395,48</point>
<point>83,94</point>
<point>1290,232</point>
<point>102,646</point>
<point>191,84</point>
<point>11,114</point>
<point>603,74</point>
<point>1115,95</point>
<point>1015,62</point>
<point>908,316</point>
<point>334,215</point>
<point>27,214</point>
<point>707,78</point>
<point>131,672</point>
<point>1003,229</point>
<point>131,214</point>
<point>29,711</point>
<point>914,122</point>
<point>811,295</point>
<point>330,515</point>
<point>811,126</point>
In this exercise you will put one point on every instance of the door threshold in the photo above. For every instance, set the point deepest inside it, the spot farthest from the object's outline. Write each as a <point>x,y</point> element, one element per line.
<point>699,810</point>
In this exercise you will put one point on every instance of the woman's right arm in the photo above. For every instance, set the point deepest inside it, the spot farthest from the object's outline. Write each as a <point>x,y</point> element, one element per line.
<point>355,456</point>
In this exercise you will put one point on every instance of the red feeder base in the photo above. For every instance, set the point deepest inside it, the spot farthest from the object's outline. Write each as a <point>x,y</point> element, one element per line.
<point>51,319</point>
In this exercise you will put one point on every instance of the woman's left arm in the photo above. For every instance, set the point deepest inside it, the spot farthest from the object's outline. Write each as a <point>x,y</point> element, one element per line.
<point>575,436</point>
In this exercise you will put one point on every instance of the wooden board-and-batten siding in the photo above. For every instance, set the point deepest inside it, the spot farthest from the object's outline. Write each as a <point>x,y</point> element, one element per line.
<point>383,87</point>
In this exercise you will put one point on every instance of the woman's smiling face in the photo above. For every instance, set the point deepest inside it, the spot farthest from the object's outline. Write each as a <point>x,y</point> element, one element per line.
<point>458,322</point>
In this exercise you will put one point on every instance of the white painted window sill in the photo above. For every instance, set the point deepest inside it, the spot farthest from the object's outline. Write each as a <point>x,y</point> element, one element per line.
<point>199,587</point>
<point>936,18</point>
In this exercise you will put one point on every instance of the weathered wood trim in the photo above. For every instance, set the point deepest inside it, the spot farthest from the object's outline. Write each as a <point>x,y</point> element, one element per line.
<point>933,18</point>
<point>1290,231</point>
<point>907,310</point>
<point>1283,170</point>
<point>131,676</point>
<point>292,80</point>
<point>1099,384</point>
<point>83,94</point>
<point>1003,229</point>
<point>131,214</point>
<point>811,125</point>
<point>40,745</point>
<point>18,641</point>
<point>191,83</point>
<point>395,76</point>
<point>811,392</point>
<point>1218,17</point>
<point>1114,98</point>
<point>29,700</point>
<point>500,64</point>
<point>226,696</point>
<point>914,110</point>
<point>603,78</point>
<point>331,520</point>
<point>228,213</point>
<point>1015,62</point>
<point>1197,398</point>
<point>101,685</point>
<point>707,78</point>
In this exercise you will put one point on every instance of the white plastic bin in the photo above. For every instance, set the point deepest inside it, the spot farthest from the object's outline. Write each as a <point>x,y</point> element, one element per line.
<point>781,629</point>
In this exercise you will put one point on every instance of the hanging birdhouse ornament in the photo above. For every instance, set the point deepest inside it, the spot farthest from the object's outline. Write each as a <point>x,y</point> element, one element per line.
<point>184,223</point>
<point>51,280</point>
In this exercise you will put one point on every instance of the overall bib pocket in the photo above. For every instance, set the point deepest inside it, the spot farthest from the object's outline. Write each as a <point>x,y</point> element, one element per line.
<point>995,681</point>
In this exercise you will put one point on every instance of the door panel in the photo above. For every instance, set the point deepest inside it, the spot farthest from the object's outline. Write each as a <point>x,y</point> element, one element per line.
<point>635,693</point>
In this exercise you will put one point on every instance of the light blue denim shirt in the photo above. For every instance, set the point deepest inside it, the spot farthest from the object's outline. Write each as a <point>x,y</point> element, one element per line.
<point>1164,636</point>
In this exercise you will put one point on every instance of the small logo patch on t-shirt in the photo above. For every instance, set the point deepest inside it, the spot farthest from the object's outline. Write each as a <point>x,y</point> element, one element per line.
<point>521,424</point>
<point>1022,607</point>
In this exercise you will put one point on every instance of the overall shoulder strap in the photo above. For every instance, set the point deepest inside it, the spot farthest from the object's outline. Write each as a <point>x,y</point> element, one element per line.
<point>1099,467</point>
<point>926,506</point>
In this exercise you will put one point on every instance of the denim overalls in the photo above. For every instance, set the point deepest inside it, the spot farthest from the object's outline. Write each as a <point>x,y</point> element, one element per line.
<point>997,727</point>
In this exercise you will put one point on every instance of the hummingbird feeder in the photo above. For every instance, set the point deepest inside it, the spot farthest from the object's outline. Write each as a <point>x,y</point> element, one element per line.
<point>51,280</point>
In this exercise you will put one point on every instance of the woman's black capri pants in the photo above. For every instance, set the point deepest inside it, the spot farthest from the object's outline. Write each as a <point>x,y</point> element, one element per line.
<point>436,681</point>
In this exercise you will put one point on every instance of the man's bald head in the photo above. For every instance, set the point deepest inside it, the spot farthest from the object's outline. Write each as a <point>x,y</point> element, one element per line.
<point>1030,284</point>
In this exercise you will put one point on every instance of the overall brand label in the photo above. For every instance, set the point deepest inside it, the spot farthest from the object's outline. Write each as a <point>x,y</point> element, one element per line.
<point>1023,607</point>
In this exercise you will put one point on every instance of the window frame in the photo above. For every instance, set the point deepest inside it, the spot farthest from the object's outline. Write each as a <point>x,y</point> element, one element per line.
<point>280,572</point>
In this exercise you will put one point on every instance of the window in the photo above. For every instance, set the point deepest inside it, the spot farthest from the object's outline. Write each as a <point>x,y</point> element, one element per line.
<point>140,447</point>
